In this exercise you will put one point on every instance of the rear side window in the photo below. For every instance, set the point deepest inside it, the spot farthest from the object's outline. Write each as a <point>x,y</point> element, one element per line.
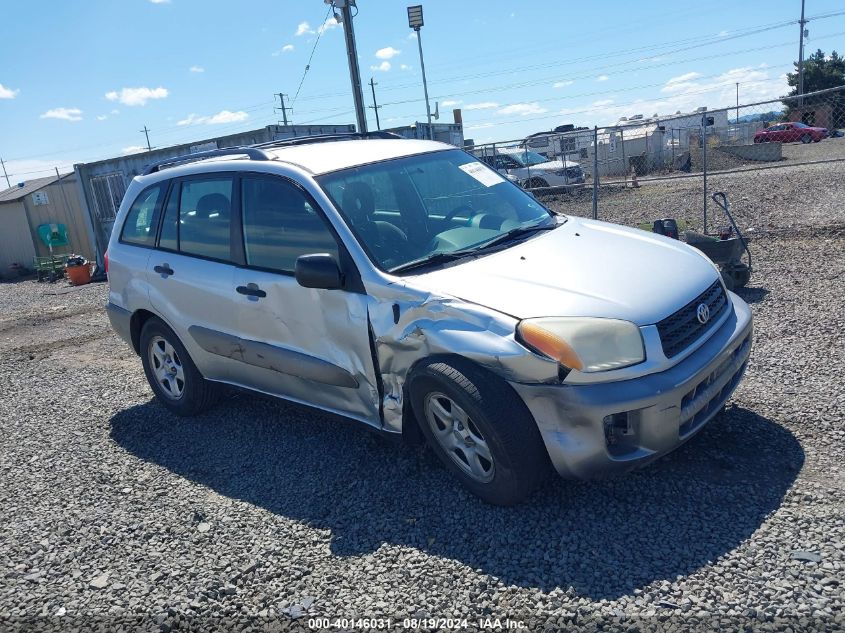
<point>280,225</point>
<point>198,217</point>
<point>139,227</point>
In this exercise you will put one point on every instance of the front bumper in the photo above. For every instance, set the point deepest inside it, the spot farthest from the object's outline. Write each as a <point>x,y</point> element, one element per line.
<point>606,428</point>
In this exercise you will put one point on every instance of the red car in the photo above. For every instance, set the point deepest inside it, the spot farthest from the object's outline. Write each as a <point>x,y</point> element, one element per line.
<point>791,132</point>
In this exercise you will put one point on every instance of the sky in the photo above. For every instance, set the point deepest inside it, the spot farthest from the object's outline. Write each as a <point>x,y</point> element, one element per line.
<point>80,80</point>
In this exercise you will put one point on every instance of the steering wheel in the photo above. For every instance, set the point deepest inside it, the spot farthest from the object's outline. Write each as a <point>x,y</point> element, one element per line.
<point>460,209</point>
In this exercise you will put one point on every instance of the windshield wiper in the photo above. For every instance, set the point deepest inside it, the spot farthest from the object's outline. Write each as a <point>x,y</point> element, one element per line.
<point>433,260</point>
<point>450,256</point>
<point>515,233</point>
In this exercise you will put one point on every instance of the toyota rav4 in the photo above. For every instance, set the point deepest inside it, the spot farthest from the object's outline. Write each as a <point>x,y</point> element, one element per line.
<point>408,286</point>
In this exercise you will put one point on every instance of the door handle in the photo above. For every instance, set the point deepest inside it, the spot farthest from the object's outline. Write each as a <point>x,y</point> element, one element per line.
<point>164,269</point>
<point>251,290</point>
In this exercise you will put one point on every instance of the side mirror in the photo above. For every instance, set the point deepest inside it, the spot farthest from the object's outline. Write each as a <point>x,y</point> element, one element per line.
<point>319,270</point>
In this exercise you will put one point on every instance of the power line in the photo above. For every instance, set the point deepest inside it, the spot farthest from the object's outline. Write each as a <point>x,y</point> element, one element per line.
<point>320,30</point>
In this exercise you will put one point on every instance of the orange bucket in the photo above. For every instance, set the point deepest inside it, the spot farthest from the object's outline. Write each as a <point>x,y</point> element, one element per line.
<point>79,275</point>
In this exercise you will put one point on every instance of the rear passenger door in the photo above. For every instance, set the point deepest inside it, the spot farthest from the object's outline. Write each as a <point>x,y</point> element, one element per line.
<point>191,274</point>
<point>308,345</point>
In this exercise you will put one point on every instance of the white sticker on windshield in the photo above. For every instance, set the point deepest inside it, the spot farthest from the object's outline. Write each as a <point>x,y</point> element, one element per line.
<point>482,174</point>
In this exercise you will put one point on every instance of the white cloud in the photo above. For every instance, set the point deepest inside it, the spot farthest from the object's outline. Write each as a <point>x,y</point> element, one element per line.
<point>486,105</point>
<point>680,83</point>
<point>102,117</point>
<point>602,78</point>
<point>197,69</point>
<point>303,29</point>
<point>137,96</point>
<point>160,1</point>
<point>523,109</point>
<point>328,25</point>
<point>562,84</point>
<point>115,111</point>
<point>287,48</point>
<point>65,114</point>
<point>382,67</point>
<point>224,116</point>
<point>412,35</point>
<point>404,67</point>
<point>602,103</point>
<point>133,149</point>
<point>480,126</point>
<point>723,33</point>
<point>451,102</point>
<point>388,52</point>
<point>7,93</point>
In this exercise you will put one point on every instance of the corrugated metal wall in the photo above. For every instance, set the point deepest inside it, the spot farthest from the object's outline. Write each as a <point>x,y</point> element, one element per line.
<point>63,207</point>
<point>15,237</point>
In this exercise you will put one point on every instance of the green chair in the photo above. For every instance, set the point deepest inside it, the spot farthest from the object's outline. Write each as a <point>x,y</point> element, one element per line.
<point>52,266</point>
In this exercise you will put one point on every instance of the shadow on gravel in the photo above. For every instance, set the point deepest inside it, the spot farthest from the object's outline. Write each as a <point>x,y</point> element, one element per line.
<point>603,538</point>
<point>752,295</point>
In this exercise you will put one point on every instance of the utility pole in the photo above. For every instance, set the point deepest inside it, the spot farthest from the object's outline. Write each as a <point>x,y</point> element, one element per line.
<point>147,134</point>
<point>5,174</point>
<point>375,105</point>
<point>345,7</point>
<point>283,108</point>
<point>801,24</point>
<point>415,21</point>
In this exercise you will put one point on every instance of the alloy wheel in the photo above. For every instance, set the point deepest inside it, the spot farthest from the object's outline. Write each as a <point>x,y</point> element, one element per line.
<point>459,436</point>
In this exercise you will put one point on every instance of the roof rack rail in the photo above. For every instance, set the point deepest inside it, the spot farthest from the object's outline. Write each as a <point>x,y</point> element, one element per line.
<point>252,152</point>
<point>325,138</point>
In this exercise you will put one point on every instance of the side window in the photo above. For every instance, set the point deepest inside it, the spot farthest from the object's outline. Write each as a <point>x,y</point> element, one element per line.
<point>280,225</point>
<point>205,213</point>
<point>139,227</point>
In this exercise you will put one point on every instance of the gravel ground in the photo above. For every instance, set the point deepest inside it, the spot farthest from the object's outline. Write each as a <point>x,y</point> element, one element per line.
<point>261,514</point>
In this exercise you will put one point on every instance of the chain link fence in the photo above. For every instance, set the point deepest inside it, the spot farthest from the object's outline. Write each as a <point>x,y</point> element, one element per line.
<point>590,162</point>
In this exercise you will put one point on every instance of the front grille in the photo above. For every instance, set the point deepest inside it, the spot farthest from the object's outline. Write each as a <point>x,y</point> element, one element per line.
<point>682,329</point>
<point>574,173</point>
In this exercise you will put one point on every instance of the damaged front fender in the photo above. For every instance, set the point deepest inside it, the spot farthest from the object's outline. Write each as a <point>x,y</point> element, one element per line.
<point>413,325</point>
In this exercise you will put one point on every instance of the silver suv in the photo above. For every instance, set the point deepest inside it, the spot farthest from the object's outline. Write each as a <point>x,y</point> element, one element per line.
<point>409,286</point>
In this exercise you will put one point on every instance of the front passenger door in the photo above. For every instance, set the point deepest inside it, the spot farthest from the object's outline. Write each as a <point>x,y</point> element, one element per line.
<point>304,344</point>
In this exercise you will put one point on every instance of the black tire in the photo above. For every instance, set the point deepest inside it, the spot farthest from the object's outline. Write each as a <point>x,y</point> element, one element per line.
<point>519,457</point>
<point>197,393</point>
<point>806,139</point>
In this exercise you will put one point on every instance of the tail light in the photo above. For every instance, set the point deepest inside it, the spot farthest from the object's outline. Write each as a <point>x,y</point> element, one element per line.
<point>106,262</point>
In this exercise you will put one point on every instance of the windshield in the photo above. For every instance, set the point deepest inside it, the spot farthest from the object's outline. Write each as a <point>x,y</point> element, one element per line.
<point>800,125</point>
<point>528,158</point>
<point>419,207</point>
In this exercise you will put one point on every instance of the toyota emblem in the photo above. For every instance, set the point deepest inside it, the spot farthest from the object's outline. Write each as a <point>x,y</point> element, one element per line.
<point>703,313</point>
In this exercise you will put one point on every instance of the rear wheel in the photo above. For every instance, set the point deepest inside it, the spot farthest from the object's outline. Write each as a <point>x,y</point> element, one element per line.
<point>175,380</point>
<point>480,429</point>
<point>806,138</point>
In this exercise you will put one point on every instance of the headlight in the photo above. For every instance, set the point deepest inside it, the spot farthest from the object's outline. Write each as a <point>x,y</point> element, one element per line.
<point>585,344</point>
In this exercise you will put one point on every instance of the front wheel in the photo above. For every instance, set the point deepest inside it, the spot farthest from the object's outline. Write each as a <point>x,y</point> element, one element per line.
<point>480,429</point>
<point>175,380</point>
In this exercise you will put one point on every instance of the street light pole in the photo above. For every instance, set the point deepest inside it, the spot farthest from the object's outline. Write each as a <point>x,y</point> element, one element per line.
<point>415,21</point>
<point>352,58</point>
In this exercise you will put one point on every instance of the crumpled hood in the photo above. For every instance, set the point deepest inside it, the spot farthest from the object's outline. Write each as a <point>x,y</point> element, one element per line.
<point>582,268</point>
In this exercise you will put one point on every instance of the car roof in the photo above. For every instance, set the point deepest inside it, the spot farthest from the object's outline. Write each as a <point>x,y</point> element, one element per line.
<point>328,156</point>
